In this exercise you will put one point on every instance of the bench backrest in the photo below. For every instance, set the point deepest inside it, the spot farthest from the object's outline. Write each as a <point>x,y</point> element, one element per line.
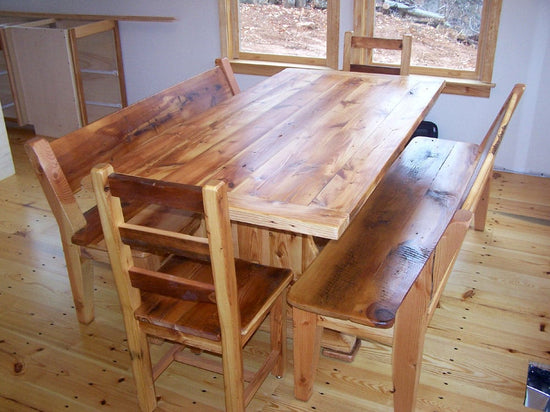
<point>489,147</point>
<point>62,164</point>
<point>80,150</point>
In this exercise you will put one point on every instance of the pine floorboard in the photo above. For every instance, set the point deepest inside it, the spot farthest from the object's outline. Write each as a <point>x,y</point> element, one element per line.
<point>492,321</point>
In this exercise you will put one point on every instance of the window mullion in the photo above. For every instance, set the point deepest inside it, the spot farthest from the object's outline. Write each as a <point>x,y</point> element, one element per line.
<point>333,33</point>
<point>488,39</point>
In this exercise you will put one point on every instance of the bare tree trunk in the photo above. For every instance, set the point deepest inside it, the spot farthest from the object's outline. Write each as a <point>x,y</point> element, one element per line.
<point>432,5</point>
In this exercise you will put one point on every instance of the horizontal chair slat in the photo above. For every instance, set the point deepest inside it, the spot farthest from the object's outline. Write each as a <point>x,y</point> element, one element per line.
<point>370,43</point>
<point>173,286</point>
<point>169,194</point>
<point>162,241</point>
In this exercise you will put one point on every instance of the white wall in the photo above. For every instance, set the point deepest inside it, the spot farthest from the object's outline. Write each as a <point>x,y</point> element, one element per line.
<point>157,55</point>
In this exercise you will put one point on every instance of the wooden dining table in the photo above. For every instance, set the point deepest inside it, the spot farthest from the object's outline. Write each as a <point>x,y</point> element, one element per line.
<point>301,152</point>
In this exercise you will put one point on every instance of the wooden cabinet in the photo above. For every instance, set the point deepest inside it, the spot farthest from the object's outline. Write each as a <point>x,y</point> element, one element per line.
<point>66,73</point>
<point>8,87</point>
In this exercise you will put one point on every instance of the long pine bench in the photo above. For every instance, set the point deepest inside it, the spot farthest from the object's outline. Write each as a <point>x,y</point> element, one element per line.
<point>62,165</point>
<point>383,278</point>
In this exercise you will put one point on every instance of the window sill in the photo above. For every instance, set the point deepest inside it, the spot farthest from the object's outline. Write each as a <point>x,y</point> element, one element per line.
<point>464,87</point>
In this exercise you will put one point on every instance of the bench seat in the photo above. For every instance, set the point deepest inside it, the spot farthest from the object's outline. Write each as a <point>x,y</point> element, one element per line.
<point>389,267</point>
<point>383,278</point>
<point>365,275</point>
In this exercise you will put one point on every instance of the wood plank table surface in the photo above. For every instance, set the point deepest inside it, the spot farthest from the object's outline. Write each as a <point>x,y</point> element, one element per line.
<point>301,152</point>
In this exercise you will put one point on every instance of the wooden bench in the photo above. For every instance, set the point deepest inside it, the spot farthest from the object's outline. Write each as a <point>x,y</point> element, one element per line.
<point>383,278</point>
<point>62,164</point>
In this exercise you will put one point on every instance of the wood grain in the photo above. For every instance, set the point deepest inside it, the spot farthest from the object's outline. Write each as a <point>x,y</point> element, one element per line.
<point>86,16</point>
<point>63,165</point>
<point>419,194</point>
<point>492,320</point>
<point>315,142</point>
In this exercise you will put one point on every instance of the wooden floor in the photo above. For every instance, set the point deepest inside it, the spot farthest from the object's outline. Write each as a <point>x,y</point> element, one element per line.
<point>494,318</point>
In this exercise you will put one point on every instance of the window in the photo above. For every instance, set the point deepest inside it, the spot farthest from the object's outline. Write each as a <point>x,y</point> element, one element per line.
<point>264,36</point>
<point>451,39</point>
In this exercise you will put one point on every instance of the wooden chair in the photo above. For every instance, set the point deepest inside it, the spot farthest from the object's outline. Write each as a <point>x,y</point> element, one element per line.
<point>201,297</point>
<point>383,278</point>
<point>354,44</point>
<point>62,164</point>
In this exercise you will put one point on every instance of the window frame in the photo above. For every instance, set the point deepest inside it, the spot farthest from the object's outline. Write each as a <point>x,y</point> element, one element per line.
<point>471,83</point>
<point>269,64</point>
<point>461,82</point>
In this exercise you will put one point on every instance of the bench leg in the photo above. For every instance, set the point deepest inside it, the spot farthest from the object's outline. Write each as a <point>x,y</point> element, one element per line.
<point>480,213</point>
<point>81,278</point>
<point>307,346</point>
<point>408,342</point>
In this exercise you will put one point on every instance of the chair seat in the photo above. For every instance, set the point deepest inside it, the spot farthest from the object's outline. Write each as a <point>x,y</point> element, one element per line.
<point>258,287</point>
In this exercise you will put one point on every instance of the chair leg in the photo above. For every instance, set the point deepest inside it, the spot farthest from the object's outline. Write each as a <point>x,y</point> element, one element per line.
<point>278,334</point>
<point>81,278</point>
<point>408,342</point>
<point>480,213</point>
<point>233,374</point>
<point>307,346</point>
<point>141,366</point>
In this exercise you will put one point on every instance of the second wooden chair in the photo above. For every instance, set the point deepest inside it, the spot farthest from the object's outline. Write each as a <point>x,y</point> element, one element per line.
<point>354,44</point>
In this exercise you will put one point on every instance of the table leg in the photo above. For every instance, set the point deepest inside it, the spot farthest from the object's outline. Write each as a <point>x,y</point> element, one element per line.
<point>283,249</point>
<point>274,248</point>
<point>307,343</point>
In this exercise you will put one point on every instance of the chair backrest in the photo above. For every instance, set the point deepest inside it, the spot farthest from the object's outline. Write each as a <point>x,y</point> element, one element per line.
<point>210,201</point>
<point>62,164</point>
<point>354,44</point>
<point>489,147</point>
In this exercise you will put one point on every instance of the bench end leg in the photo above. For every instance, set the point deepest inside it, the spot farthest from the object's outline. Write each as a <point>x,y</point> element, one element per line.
<point>307,345</point>
<point>81,278</point>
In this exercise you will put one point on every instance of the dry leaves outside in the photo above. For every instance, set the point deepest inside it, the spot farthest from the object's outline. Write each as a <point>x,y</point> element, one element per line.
<point>273,29</point>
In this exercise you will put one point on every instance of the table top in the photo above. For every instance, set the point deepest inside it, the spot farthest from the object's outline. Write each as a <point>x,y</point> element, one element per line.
<point>301,151</point>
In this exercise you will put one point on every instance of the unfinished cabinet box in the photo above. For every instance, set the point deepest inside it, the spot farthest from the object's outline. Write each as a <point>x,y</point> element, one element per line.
<point>69,72</point>
<point>8,87</point>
